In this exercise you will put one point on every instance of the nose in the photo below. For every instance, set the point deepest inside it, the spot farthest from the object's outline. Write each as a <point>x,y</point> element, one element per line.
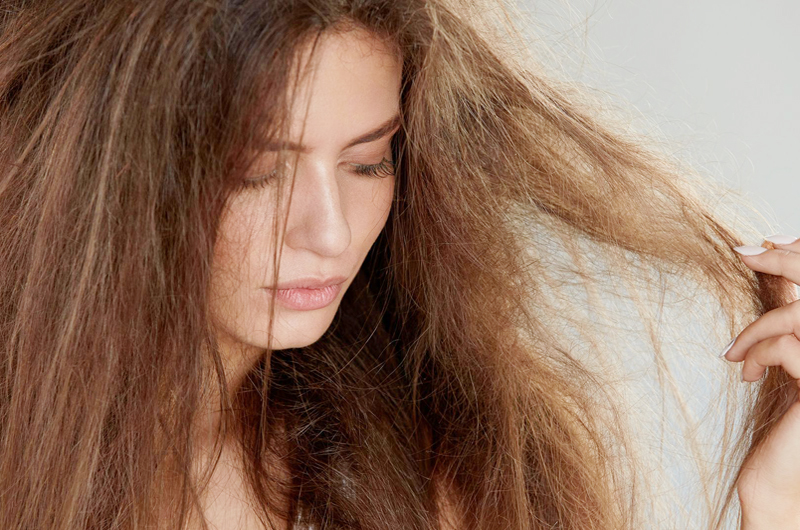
<point>317,220</point>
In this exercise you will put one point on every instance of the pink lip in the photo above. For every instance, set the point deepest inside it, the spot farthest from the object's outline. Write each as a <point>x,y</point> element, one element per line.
<point>310,283</point>
<point>307,294</point>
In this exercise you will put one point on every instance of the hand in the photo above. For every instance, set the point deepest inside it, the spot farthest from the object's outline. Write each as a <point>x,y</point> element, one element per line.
<point>769,484</point>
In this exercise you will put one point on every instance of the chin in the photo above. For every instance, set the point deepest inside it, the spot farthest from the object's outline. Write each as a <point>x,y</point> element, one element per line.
<point>297,329</point>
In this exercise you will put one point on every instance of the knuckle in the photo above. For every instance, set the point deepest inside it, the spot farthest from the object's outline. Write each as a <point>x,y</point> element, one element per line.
<point>790,315</point>
<point>751,365</point>
<point>786,262</point>
<point>786,342</point>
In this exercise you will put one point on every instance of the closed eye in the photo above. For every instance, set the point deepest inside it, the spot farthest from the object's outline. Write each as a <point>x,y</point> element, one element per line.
<point>383,169</point>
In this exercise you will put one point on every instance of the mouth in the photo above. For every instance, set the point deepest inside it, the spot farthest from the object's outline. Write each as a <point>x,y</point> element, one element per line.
<point>308,299</point>
<point>310,283</point>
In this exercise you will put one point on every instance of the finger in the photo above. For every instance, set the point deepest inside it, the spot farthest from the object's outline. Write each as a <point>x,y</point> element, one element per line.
<point>778,262</point>
<point>791,243</point>
<point>784,320</point>
<point>784,242</point>
<point>783,351</point>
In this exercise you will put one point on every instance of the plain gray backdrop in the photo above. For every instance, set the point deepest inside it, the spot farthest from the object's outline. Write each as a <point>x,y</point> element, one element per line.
<point>720,77</point>
<point>719,81</point>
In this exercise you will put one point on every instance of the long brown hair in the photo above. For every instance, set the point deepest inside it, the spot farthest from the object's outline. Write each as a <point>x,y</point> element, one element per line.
<point>124,126</point>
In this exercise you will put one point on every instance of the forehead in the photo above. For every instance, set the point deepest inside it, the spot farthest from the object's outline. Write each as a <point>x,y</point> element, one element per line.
<point>352,84</point>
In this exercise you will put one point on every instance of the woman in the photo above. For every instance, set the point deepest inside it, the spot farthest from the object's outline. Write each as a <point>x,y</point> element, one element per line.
<point>272,264</point>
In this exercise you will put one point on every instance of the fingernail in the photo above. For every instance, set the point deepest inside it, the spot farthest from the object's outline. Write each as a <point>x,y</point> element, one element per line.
<point>781,239</point>
<point>749,250</point>
<point>727,348</point>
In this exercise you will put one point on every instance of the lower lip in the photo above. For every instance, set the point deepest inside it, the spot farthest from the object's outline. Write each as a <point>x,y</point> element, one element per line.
<point>308,299</point>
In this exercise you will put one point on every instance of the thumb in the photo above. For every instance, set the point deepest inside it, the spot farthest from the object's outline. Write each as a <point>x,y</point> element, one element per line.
<point>771,474</point>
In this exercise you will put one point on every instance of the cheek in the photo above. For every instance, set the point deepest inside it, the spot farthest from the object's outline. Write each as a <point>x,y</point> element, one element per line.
<point>226,276</point>
<point>230,252</point>
<point>373,206</point>
<point>385,199</point>
<point>239,243</point>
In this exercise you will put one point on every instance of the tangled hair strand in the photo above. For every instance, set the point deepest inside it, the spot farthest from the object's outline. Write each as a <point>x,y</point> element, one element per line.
<point>124,126</point>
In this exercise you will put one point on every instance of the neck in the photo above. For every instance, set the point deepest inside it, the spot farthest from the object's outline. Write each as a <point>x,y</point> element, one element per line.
<point>237,360</point>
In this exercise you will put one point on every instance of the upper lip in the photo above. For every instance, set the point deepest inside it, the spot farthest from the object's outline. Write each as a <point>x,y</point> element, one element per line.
<point>310,283</point>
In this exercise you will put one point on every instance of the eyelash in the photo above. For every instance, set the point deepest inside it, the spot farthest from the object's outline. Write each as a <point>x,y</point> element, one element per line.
<point>384,168</point>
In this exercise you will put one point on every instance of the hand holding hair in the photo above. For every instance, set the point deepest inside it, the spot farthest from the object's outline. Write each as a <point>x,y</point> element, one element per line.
<point>769,483</point>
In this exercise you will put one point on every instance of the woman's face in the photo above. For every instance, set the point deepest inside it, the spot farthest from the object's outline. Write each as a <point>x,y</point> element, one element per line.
<point>342,195</point>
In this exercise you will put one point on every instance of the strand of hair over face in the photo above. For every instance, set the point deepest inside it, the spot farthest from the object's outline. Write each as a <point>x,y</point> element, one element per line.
<point>481,358</point>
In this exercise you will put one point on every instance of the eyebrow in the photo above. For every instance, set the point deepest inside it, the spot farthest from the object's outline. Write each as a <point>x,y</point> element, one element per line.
<point>375,134</point>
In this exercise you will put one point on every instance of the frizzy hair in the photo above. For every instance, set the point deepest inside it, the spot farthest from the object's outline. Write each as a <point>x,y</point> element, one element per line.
<point>124,126</point>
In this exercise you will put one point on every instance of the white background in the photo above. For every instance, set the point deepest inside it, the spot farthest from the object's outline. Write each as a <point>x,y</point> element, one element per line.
<point>719,82</point>
<point>721,78</point>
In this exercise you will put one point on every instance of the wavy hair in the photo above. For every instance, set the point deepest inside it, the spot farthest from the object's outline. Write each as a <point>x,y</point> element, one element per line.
<point>124,126</point>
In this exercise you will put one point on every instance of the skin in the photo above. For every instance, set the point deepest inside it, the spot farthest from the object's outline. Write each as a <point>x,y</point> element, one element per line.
<point>335,214</point>
<point>768,487</point>
<point>334,217</point>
